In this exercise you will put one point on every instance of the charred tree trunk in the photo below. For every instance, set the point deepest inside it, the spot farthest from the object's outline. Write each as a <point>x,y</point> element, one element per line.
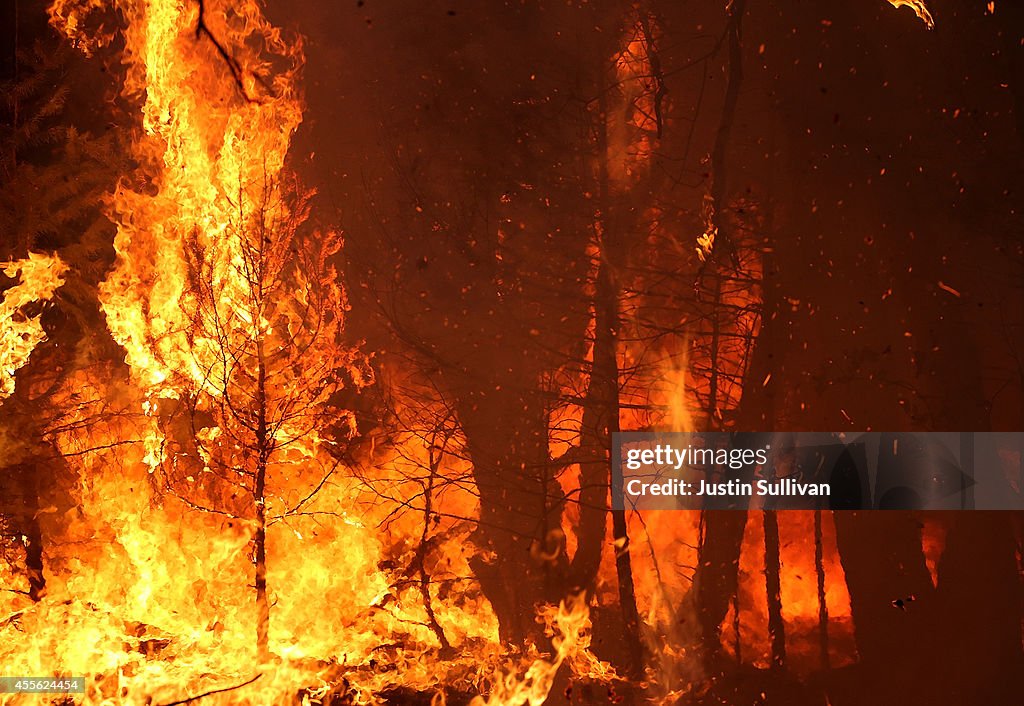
<point>627,591</point>
<point>522,561</point>
<point>601,417</point>
<point>421,557</point>
<point>773,587</point>
<point>717,578</point>
<point>883,561</point>
<point>723,247</point>
<point>32,533</point>
<point>19,514</point>
<point>259,540</point>
<point>819,573</point>
<point>758,406</point>
<point>717,575</point>
<point>35,476</point>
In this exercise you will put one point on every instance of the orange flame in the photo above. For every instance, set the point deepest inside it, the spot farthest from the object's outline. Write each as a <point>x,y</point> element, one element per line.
<point>162,608</point>
<point>40,277</point>
<point>572,621</point>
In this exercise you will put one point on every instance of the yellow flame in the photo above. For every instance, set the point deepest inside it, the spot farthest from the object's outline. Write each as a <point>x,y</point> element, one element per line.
<point>209,149</point>
<point>40,276</point>
<point>571,619</point>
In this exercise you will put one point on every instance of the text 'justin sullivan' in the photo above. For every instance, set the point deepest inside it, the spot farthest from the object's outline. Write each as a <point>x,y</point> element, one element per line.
<point>664,455</point>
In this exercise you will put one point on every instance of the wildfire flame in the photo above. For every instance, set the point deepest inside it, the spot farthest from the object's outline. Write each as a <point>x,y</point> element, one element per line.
<point>150,592</point>
<point>40,276</point>
<point>210,146</point>
<point>571,619</point>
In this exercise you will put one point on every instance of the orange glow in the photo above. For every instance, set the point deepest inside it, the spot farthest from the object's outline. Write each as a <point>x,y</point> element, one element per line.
<point>798,593</point>
<point>933,543</point>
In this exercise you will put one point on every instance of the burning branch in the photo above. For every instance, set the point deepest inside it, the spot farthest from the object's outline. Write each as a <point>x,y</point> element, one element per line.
<point>657,73</point>
<point>234,66</point>
<point>212,692</point>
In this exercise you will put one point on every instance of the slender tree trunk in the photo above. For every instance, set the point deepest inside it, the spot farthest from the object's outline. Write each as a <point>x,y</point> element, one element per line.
<point>32,532</point>
<point>819,572</point>
<point>717,578</point>
<point>602,403</point>
<point>601,418</point>
<point>712,422</point>
<point>627,591</point>
<point>773,586</point>
<point>719,153</point>
<point>262,605</point>
<point>263,446</point>
<point>421,559</point>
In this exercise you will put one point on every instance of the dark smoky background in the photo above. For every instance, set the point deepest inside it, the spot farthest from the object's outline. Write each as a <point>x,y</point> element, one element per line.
<point>878,165</point>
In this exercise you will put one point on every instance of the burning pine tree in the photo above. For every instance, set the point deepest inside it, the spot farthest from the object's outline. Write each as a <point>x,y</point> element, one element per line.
<point>264,324</point>
<point>231,317</point>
